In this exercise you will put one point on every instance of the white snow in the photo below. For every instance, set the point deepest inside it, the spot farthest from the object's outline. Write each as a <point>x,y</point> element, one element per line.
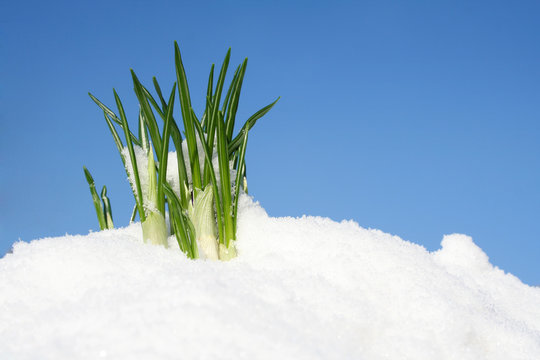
<point>301,288</point>
<point>142,167</point>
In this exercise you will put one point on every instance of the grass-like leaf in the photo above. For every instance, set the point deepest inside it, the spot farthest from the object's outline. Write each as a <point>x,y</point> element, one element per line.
<point>239,175</point>
<point>143,133</point>
<point>133,213</point>
<point>216,98</point>
<point>209,92</point>
<point>107,210</point>
<point>108,112</point>
<point>95,199</point>
<point>183,229</point>
<point>185,104</point>
<point>148,115</point>
<point>158,91</point>
<point>237,141</point>
<point>235,99</point>
<point>116,137</point>
<point>229,91</point>
<point>163,157</point>
<point>224,174</point>
<point>177,140</point>
<point>125,126</point>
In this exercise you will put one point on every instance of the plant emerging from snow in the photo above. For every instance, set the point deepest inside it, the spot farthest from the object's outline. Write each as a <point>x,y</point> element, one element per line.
<point>201,196</point>
<point>103,207</point>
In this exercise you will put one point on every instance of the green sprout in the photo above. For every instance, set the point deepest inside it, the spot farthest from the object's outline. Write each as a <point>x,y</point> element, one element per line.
<point>202,199</point>
<point>103,212</point>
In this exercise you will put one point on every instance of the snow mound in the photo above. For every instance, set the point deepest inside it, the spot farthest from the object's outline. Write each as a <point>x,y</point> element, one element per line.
<point>301,288</point>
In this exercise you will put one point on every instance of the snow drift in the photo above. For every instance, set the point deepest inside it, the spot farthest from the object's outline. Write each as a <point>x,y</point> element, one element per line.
<point>301,288</point>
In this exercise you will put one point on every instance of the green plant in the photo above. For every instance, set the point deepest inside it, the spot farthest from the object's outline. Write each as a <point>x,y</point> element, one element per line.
<point>103,212</point>
<point>202,197</point>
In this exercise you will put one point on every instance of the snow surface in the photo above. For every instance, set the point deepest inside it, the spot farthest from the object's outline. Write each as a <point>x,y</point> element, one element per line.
<point>301,288</point>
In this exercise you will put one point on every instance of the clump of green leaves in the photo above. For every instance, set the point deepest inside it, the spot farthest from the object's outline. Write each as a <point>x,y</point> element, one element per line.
<point>203,208</point>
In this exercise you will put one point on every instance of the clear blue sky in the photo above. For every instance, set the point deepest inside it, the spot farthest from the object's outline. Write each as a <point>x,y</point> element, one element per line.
<point>417,118</point>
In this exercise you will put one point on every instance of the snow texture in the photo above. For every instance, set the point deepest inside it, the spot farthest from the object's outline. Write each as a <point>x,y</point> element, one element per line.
<point>301,288</point>
<point>142,167</point>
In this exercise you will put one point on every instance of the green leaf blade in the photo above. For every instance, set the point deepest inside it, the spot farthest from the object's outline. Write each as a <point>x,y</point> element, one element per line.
<point>236,142</point>
<point>185,104</point>
<point>125,126</point>
<point>95,199</point>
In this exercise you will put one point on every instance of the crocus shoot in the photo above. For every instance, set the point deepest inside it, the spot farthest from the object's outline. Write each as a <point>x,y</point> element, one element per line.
<point>200,198</point>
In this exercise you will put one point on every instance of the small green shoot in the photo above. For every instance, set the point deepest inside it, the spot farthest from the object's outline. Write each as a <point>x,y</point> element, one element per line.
<point>107,210</point>
<point>103,212</point>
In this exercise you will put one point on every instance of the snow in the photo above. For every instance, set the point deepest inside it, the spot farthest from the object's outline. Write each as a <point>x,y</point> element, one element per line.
<point>301,288</point>
<point>142,167</point>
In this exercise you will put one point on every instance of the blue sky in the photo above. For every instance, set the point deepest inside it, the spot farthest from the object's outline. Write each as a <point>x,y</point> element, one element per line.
<point>419,118</point>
